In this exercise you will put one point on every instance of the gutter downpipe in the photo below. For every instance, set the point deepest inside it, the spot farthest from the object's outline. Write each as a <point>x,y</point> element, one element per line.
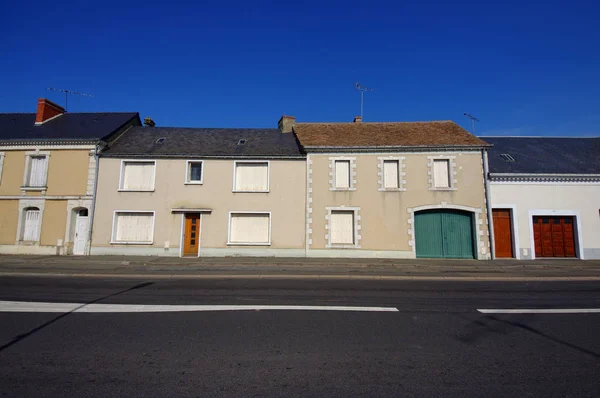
<point>92,210</point>
<point>488,203</point>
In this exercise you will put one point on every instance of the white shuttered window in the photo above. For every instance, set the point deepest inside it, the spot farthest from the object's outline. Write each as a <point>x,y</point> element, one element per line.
<point>251,176</point>
<point>342,174</point>
<point>133,227</point>
<point>31,229</point>
<point>390,174</point>
<point>37,171</point>
<point>342,227</point>
<point>249,228</point>
<point>138,176</point>
<point>441,171</point>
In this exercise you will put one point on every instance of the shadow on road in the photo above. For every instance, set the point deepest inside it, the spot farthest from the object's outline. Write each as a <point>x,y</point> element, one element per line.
<point>502,326</point>
<point>50,322</point>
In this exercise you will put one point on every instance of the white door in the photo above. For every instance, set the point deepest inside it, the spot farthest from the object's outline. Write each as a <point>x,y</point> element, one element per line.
<point>80,235</point>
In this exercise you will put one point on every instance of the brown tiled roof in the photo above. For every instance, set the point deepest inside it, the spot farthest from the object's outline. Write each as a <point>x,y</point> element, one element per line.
<point>411,134</point>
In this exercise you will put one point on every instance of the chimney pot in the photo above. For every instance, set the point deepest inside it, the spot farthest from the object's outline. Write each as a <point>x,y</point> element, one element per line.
<point>358,119</point>
<point>286,124</point>
<point>149,122</point>
<point>47,110</point>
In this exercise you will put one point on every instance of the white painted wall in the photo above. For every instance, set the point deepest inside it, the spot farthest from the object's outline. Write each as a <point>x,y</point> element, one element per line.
<point>558,199</point>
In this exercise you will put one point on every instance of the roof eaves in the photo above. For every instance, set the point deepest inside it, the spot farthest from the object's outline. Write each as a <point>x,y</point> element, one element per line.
<point>544,177</point>
<point>49,141</point>
<point>415,148</point>
<point>196,156</point>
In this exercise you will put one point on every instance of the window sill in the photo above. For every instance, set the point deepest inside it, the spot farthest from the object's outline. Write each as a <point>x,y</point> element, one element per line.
<point>193,183</point>
<point>45,188</point>
<point>392,189</point>
<point>341,246</point>
<point>442,189</point>
<point>135,190</point>
<point>237,191</point>
<point>342,189</point>
<point>129,243</point>
<point>247,244</point>
<point>28,243</point>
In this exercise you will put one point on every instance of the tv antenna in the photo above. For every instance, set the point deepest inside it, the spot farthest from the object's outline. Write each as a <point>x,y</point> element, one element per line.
<point>362,90</point>
<point>473,120</point>
<point>67,92</point>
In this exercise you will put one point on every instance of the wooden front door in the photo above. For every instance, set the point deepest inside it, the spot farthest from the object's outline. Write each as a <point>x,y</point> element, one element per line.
<point>502,233</point>
<point>191,235</point>
<point>554,236</point>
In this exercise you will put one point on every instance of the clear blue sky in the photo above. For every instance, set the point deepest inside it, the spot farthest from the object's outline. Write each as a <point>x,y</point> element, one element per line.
<point>522,69</point>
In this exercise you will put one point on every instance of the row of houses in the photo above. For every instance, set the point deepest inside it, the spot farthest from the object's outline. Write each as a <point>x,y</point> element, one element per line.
<point>101,183</point>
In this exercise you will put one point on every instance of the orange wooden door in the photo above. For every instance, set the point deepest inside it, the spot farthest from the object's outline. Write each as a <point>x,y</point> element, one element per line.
<point>191,237</point>
<point>502,233</point>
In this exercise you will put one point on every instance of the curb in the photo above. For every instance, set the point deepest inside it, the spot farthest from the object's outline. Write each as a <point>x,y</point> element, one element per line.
<point>313,276</point>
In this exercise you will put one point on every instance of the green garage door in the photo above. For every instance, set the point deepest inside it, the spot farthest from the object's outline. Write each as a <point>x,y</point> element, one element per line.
<point>444,234</point>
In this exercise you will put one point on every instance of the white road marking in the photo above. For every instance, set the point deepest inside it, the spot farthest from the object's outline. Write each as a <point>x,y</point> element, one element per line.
<point>541,311</point>
<point>24,306</point>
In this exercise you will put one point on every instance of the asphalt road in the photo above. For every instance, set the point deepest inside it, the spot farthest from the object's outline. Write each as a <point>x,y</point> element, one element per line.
<point>437,344</point>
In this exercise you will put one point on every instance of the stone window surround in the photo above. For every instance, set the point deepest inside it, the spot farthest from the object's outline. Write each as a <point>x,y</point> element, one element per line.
<point>24,204</point>
<point>1,164</point>
<point>28,156</point>
<point>352,160</point>
<point>357,228</point>
<point>401,173</point>
<point>451,172</point>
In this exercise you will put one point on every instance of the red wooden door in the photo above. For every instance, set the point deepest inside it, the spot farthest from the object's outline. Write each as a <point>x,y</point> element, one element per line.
<point>554,236</point>
<point>502,233</point>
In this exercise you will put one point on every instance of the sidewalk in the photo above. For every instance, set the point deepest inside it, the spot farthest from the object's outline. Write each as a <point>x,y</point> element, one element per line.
<point>288,268</point>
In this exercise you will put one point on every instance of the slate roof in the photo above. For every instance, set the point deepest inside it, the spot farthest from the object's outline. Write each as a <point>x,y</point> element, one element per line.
<point>403,134</point>
<point>204,142</point>
<point>544,155</point>
<point>20,127</point>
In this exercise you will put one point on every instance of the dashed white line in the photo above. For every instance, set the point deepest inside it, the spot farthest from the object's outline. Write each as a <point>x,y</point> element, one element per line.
<point>25,306</point>
<point>541,311</point>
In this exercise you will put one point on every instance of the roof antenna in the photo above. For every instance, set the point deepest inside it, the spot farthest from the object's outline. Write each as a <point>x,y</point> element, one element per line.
<point>473,120</point>
<point>362,90</point>
<point>67,92</point>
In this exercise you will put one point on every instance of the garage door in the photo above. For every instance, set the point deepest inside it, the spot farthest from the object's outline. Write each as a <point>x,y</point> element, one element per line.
<point>554,236</point>
<point>444,234</point>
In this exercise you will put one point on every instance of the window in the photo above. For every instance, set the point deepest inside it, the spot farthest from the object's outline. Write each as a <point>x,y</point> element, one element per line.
<point>251,177</point>
<point>342,174</point>
<point>133,227</point>
<point>249,229</point>
<point>194,172</point>
<point>391,174</point>
<point>137,175</point>
<point>342,227</point>
<point>31,228</point>
<point>441,173</point>
<point>37,168</point>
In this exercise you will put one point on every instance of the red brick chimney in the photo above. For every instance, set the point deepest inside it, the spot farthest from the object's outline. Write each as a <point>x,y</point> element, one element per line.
<point>46,110</point>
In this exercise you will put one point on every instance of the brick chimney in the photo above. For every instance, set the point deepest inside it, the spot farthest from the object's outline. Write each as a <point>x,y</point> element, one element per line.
<point>357,119</point>
<point>286,123</point>
<point>46,110</point>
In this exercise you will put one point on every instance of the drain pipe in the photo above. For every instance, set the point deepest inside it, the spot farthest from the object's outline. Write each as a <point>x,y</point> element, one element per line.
<point>93,208</point>
<point>488,203</point>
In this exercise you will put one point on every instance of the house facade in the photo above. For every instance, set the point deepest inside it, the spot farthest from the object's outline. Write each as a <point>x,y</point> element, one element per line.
<point>397,190</point>
<point>201,192</point>
<point>47,176</point>
<point>544,194</point>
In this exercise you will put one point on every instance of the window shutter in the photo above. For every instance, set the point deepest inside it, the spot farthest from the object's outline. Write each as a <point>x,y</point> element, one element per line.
<point>251,176</point>
<point>32,225</point>
<point>138,175</point>
<point>134,227</point>
<point>249,228</point>
<point>342,174</point>
<point>342,227</point>
<point>37,171</point>
<point>390,173</point>
<point>441,173</point>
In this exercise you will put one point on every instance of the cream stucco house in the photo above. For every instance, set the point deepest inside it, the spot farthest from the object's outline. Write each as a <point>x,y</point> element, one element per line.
<point>47,176</point>
<point>545,195</point>
<point>398,190</point>
<point>201,192</point>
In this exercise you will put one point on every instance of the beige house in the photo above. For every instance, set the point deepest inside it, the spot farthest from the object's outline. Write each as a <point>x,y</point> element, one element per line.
<point>201,192</point>
<point>398,190</point>
<point>47,176</point>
